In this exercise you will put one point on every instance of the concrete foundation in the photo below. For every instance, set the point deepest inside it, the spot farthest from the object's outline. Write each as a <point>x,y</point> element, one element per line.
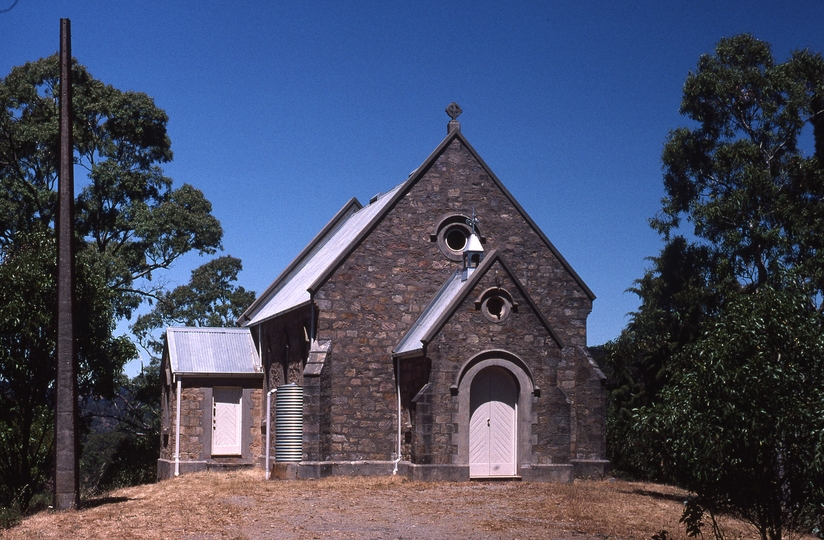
<point>591,468</point>
<point>166,468</point>
<point>562,473</point>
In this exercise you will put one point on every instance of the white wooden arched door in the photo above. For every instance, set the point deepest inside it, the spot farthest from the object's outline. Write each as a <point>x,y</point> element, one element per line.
<point>492,423</point>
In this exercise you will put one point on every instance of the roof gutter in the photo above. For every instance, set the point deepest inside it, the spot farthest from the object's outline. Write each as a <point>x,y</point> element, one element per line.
<point>223,375</point>
<point>250,322</point>
<point>414,353</point>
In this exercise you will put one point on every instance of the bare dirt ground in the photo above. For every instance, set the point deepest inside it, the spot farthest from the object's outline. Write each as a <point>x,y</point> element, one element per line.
<point>241,505</point>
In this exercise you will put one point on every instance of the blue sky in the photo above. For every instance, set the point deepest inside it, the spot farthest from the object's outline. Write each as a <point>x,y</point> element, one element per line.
<point>280,113</point>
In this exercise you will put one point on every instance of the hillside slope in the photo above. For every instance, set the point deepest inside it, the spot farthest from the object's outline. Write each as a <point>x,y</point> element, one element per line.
<point>241,505</point>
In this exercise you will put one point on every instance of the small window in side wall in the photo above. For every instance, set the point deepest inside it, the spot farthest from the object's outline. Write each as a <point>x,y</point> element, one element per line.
<point>227,421</point>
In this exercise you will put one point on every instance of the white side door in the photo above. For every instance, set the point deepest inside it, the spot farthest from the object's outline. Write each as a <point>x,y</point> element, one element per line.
<point>227,421</point>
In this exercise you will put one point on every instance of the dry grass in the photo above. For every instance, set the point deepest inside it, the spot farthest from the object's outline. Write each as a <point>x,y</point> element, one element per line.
<point>242,505</point>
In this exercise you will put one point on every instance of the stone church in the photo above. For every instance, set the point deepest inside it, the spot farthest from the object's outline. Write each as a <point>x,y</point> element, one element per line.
<point>434,332</point>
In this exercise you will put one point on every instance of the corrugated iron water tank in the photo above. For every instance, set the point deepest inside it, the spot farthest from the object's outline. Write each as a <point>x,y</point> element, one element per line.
<point>289,423</point>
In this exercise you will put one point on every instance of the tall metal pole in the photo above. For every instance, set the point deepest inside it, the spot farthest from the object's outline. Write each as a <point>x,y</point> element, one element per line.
<point>66,477</point>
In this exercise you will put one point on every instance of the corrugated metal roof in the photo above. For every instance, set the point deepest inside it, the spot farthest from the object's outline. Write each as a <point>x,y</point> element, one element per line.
<point>293,291</point>
<point>212,350</point>
<point>412,340</point>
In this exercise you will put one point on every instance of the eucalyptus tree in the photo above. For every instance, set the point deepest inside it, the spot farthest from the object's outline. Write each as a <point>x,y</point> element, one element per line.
<point>211,298</point>
<point>743,260</point>
<point>131,223</point>
<point>739,176</point>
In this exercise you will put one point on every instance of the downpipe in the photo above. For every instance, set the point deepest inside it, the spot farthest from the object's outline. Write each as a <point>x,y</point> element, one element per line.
<point>268,426</point>
<point>398,456</point>
<point>177,432</point>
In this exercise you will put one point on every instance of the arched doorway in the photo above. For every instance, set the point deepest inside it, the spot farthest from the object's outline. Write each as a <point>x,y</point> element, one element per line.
<point>493,418</point>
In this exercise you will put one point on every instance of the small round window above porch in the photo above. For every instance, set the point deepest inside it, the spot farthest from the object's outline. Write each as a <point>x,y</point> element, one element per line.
<point>496,304</point>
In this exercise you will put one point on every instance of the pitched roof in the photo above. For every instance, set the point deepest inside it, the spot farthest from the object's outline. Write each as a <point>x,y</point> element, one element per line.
<point>449,297</point>
<point>291,288</point>
<point>330,248</point>
<point>212,351</point>
<point>517,205</point>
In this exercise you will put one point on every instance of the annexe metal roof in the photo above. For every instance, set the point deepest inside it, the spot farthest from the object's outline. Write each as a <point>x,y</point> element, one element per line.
<point>212,351</point>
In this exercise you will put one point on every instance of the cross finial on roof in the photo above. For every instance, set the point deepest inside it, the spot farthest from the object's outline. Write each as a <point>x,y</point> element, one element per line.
<point>454,111</point>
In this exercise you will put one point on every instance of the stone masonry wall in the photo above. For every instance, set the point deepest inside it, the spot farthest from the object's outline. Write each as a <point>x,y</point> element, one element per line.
<point>256,429</point>
<point>374,297</point>
<point>416,401</point>
<point>317,400</point>
<point>590,399</point>
<point>191,423</point>
<point>195,417</point>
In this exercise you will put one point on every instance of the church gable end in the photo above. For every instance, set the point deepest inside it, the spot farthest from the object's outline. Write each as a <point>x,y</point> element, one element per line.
<point>403,252</point>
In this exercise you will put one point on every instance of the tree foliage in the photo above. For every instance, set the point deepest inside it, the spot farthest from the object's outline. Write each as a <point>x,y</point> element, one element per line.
<point>676,296</point>
<point>131,450</point>
<point>27,423</point>
<point>122,448</point>
<point>130,224</point>
<point>696,375</point>
<point>739,177</point>
<point>128,212</point>
<point>741,423</point>
<point>209,299</point>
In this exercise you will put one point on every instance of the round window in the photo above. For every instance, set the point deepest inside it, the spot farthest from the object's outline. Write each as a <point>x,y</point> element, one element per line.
<point>496,308</point>
<point>452,236</point>
<point>455,239</point>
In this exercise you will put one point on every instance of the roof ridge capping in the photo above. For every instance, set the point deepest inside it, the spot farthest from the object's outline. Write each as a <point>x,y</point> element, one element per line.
<point>206,329</point>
